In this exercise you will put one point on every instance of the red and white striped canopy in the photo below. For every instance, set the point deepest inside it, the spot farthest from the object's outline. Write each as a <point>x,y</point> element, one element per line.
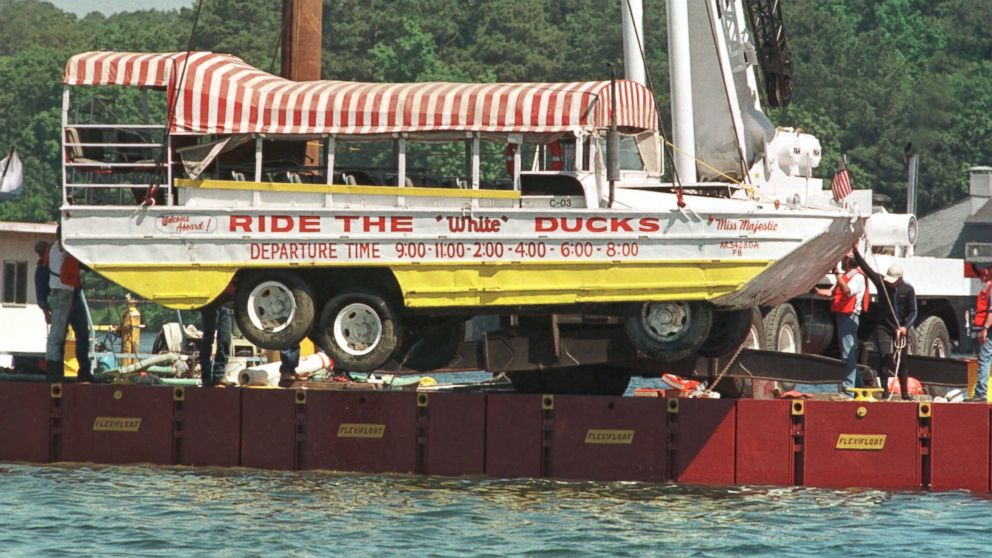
<point>221,94</point>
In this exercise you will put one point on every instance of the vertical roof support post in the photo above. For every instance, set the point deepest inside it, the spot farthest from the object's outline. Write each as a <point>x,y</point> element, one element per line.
<point>680,71</point>
<point>579,151</point>
<point>258,158</point>
<point>401,168</point>
<point>476,162</point>
<point>401,161</point>
<point>329,143</point>
<point>518,141</point>
<point>65,124</point>
<point>168,168</point>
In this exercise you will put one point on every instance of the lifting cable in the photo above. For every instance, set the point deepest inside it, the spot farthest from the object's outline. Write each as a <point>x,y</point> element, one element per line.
<point>173,101</point>
<point>726,369</point>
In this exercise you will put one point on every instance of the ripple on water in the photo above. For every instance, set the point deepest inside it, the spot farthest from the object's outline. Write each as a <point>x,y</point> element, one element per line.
<point>122,511</point>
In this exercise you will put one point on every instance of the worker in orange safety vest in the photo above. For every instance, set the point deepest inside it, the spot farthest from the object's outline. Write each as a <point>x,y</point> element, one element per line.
<point>849,299</point>
<point>982,322</point>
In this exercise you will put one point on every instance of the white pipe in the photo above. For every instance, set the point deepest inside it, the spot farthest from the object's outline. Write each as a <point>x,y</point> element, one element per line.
<point>680,65</point>
<point>269,375</point>
<point>633,34</point>
<point>266,375</point>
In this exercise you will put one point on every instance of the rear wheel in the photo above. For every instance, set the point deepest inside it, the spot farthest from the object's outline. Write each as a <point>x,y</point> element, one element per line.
<point>577,380</point>
<point>358,329</point>
<point>668,331</point>
<point>274,309</point>
<point>783,334</point>
<point>931,338</point>
<point>730,330</point>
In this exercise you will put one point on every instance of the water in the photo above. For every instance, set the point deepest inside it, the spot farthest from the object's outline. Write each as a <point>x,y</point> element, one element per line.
<point>152,511</point>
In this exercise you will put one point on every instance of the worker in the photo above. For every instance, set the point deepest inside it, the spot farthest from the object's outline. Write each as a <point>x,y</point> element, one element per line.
<point>289,359</point>
<point>849,300</point>
<point>983,321</point>
<point>65,301</point>
<point>216,325</point>
<point>41,278</point>
<point>891,333</point>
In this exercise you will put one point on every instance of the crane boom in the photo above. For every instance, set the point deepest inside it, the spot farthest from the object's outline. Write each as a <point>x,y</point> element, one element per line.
<point>766,22</point>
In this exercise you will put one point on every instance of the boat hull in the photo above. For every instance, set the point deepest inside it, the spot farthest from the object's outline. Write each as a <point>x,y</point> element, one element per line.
<point>732,253</point>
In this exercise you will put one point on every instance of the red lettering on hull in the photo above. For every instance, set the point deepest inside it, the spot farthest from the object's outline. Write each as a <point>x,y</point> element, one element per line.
<point>274,223</point>
<point>597,225</point>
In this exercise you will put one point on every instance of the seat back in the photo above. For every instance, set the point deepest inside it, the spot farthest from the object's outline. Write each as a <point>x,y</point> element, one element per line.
<point>74,151</point>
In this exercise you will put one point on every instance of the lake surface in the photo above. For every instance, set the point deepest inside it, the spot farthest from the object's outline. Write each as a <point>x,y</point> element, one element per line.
<point>63,510</point>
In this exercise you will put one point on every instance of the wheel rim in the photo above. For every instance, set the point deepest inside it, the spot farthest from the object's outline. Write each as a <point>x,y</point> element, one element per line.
<point>937,349</point>
<point>271,306</point>
<point>666,321</point>
<point>787,340</point>
<point>357,329</point>
<point>752,339</point>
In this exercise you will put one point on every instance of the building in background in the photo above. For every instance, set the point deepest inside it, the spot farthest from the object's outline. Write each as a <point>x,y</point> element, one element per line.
<point>944,233</point>
<point>23,331</point>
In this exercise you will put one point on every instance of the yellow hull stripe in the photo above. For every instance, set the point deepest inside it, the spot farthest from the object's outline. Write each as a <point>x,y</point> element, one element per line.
<point>439,285</point>
<point>413,191</point>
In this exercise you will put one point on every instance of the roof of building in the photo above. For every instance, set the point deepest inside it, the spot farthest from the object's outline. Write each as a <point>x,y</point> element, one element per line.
<point>20,227</point>
<point>983,216</point>
<point>221,94</point>
<point>939,231</point>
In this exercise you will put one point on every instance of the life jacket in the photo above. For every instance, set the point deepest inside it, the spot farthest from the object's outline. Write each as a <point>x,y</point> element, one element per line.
<point>844,304</point>
<point>982,305</point>
<point>69,274</point>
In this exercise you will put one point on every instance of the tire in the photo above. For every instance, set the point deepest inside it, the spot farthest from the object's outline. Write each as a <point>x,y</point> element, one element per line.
<point>783,334</point>
<point>668,331</point>
<point>577,380</point>
<point>743,387</point>
<point>429,347</point>
<point>731,328</point>
<point>931,338</point>
<point>358,329</point>
<point>756,335</point>
<point>782,331</point>
<point>274,309</point>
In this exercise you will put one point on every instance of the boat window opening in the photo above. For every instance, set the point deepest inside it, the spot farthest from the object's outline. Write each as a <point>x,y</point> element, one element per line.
<point>283,160</point>
<point>567,154</point>
<point>630,155</point>
<point>15,282</point>
<point>439,164</point>
<point>108,104</point>
<point>365,163</point>
<point>550,185</point>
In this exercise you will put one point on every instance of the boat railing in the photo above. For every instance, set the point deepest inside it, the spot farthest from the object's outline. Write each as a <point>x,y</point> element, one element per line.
<point>115,164</point>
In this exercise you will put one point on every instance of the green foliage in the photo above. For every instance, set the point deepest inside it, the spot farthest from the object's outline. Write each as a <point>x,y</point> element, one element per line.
<point>871,75</point>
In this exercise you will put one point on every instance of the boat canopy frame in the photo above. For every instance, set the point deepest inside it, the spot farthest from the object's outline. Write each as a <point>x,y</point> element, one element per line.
<point>221,97</point>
